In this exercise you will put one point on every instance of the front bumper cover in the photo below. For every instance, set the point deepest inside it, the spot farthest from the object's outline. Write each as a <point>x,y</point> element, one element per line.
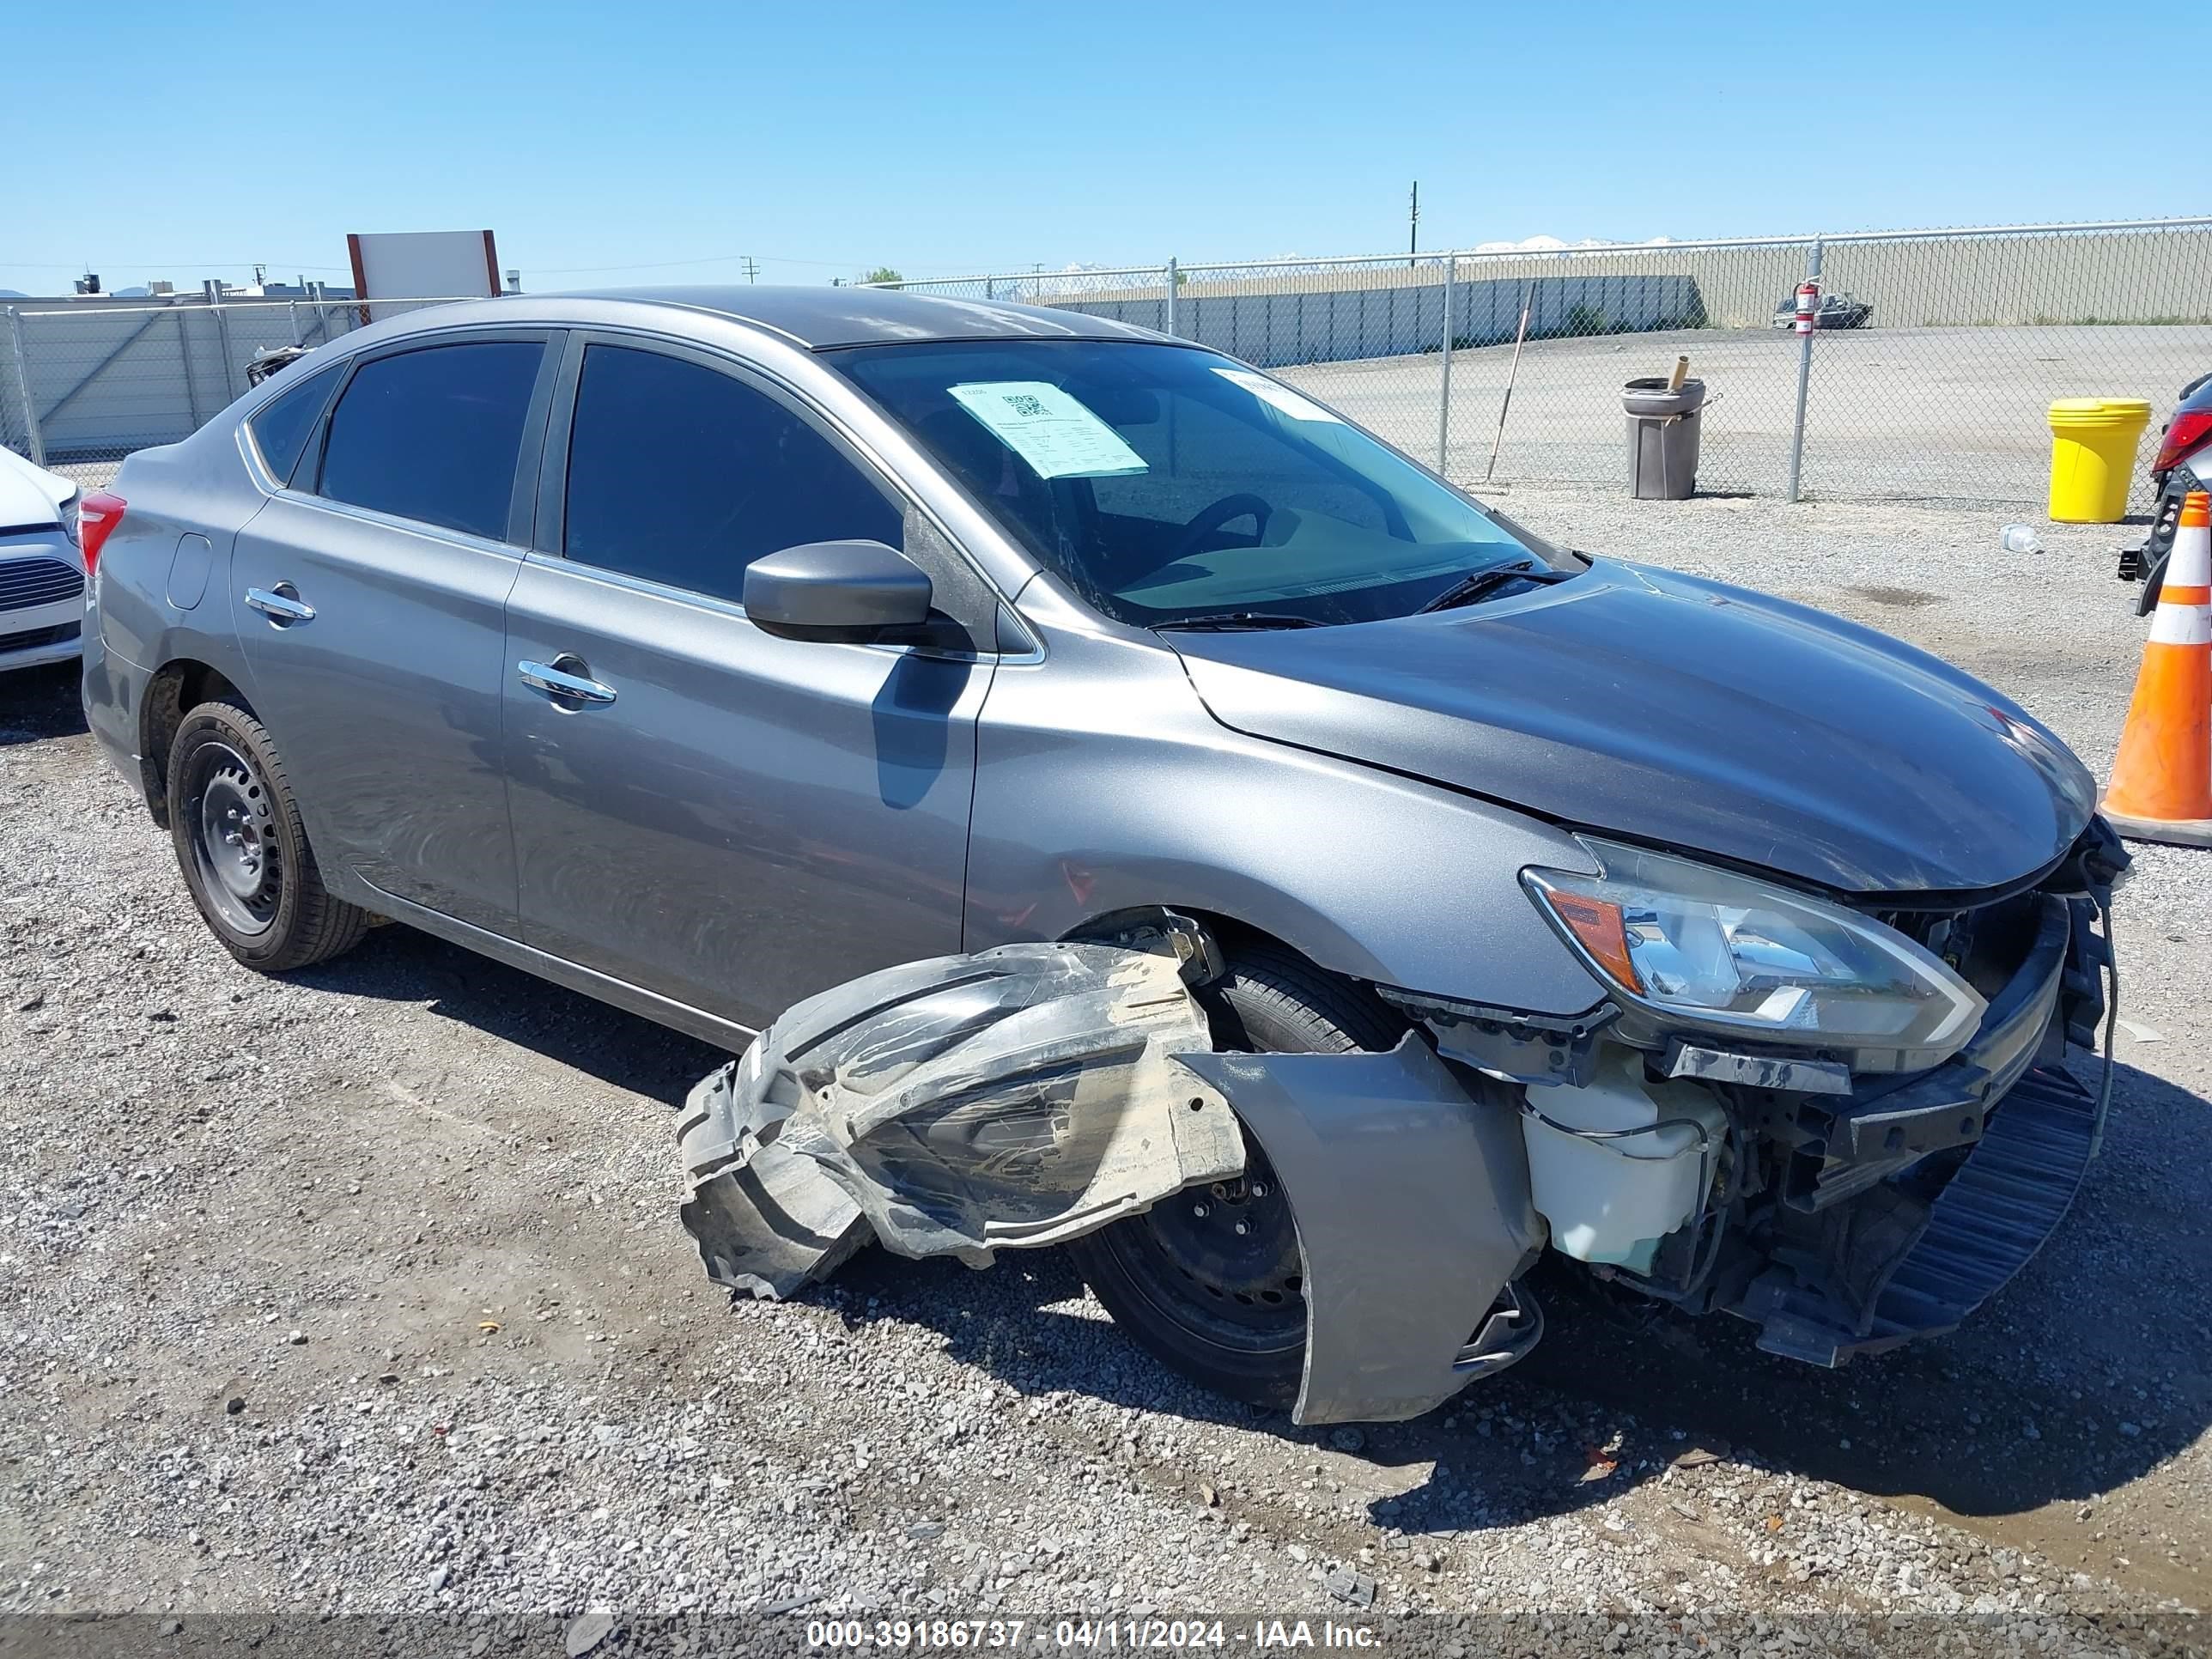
<point>1028,1094</point>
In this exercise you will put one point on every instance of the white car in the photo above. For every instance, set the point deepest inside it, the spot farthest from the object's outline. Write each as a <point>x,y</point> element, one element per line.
<point>41,566</point>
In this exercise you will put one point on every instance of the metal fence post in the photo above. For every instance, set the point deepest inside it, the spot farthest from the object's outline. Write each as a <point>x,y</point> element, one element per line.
<point>1174,278</point>
<point>221,313</point>
<point>230,388</point>
<point>1804,373</point>
<point>1443,399</point>
<point>31,434</point>
<point>185,361</point>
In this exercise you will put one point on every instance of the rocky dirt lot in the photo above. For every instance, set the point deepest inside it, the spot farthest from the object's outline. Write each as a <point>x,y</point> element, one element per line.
<point>362,1292</point>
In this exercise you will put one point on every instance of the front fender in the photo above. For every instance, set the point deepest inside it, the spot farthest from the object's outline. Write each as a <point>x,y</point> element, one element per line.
<point>1101,784</point>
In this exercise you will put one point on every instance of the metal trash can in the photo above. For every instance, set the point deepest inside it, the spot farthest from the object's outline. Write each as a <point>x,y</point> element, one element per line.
<point>1663,438</point>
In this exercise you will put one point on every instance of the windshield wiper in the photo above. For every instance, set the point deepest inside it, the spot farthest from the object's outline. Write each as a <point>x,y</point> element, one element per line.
<point>1227,621</point>
<point>1470,588</point>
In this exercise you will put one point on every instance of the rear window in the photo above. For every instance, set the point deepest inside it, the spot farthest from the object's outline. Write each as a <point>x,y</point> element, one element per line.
<point>435,434</point>
<point>284,423</point>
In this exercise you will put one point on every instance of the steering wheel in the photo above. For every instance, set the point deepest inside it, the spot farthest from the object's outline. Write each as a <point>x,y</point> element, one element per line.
<point>1210,518</point>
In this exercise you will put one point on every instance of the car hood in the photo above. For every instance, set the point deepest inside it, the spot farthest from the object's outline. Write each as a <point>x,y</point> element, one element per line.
<point>30,494</point>
<point>1683,712</point>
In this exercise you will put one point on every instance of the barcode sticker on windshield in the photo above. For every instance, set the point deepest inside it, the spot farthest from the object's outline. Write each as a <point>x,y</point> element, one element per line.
<point>1278,397</point>
<point>1057,435</point>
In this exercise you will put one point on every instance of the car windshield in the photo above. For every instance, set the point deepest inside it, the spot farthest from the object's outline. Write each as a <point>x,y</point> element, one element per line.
<point>1168,484</point>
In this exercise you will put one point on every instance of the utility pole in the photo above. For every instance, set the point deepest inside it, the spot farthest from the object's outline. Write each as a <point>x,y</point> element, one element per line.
<point>752,268</point>
<point>1413,227</point>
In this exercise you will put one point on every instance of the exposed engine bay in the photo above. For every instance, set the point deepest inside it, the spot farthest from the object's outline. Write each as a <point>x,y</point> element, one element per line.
<point>1838,1196</point>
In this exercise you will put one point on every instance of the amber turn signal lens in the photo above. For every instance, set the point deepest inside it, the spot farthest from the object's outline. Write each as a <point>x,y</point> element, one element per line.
<point>1597,925</point>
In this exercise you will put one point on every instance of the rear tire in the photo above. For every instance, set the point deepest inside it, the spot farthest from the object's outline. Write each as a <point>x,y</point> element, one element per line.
<point>1227,1309</point>
<point>243,851</point>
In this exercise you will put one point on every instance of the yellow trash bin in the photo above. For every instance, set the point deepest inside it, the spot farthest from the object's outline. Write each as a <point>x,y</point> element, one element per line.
<point>2092,457</point>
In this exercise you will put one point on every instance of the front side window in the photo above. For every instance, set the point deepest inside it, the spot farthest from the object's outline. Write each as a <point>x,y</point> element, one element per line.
<point>1167,484</point>
<point>281,426</point>
<point>435,434</point>
<point>683,475</point>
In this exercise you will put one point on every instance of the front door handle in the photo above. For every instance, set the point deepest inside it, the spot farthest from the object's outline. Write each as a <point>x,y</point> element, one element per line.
<point>557,682</point>
<point>282,607</point>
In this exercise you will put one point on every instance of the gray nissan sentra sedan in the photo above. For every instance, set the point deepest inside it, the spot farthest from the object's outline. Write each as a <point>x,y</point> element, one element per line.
<point>703,649</point>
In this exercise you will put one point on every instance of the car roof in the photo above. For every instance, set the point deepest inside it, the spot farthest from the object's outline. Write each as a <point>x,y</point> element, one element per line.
<point>826,318</point>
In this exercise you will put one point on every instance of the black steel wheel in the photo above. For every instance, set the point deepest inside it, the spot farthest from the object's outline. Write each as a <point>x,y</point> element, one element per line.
<point>1209,1281</point>
<point>244,855</point>
<point>237,858</point>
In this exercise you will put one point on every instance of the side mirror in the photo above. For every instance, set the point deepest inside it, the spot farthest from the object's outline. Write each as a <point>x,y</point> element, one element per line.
<point>850,591</point>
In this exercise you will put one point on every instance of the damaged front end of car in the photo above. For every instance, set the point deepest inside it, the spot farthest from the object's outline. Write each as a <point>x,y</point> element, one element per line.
<point>1028,1095</point>
<point>1847,1124</point>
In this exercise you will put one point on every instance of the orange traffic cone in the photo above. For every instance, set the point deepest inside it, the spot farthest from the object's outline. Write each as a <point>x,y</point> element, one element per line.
<point>2162,788</point>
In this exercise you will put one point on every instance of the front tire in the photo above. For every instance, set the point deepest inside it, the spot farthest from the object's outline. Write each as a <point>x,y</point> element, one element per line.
<point>242,849</point>
<point>1210,1282</point>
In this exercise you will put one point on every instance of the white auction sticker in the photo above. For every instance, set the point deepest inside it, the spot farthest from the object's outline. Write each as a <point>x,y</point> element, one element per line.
<point>1057,435</point>
<point>1267,392</point>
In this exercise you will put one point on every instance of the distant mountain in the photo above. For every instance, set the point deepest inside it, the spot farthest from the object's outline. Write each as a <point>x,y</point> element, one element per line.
<point>10,293</point>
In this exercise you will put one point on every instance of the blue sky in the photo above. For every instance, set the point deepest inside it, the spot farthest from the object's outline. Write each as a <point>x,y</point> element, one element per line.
<point>604,143</point>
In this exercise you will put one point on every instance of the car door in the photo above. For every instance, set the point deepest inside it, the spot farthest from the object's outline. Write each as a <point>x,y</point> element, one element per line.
<point>719,816</point>
<point>369,598</point>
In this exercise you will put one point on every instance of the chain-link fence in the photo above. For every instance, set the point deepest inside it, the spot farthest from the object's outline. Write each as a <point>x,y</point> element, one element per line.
<point>1937,356</point>
<point>83,383</point>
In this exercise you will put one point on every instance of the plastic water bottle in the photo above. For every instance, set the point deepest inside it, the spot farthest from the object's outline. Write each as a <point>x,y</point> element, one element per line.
<point>2020,538</point>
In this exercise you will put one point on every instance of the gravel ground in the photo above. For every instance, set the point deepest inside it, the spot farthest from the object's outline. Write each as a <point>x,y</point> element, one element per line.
<point>361,1292</point>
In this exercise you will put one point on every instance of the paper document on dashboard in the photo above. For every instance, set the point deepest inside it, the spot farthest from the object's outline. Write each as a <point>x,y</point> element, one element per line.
<point>1054,432</point>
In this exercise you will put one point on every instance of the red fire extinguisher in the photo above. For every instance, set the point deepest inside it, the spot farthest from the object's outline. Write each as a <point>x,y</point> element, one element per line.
<point>1808,304</point>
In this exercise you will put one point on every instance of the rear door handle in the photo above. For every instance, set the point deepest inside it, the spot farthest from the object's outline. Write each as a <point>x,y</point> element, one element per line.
<point>559,682</point>
<point>282,607</point>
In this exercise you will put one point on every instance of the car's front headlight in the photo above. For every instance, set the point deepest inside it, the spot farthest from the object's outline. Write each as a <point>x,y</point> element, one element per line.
<point>1711,949</point>
<point>69,519</point>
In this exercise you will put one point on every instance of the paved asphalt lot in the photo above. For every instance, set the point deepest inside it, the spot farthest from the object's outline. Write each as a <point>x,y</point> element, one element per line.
<point>363,1292</point>
<point>1911,413</point>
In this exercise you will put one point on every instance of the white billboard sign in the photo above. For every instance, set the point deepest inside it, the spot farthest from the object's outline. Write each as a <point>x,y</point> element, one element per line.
<point>422,265</point>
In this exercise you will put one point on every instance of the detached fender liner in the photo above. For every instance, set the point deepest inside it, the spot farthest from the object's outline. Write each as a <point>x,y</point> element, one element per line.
<point>1028,1094</point>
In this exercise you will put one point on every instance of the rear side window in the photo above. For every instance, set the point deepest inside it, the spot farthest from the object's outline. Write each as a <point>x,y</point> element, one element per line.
<point>683,475</point>
<point>435,434</point>
<point>281,429</point>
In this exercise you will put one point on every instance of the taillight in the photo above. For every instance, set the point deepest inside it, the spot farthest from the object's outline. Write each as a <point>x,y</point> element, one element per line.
<point>97,515</point>
<point>2191,428</point>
